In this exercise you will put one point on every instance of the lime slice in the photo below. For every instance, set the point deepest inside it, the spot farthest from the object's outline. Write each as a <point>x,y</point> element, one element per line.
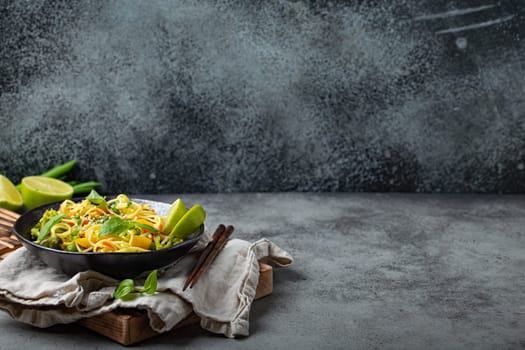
<point>173,215</point>
<point>40,190</point>
<point>190,222</point>
<point>10,198</point>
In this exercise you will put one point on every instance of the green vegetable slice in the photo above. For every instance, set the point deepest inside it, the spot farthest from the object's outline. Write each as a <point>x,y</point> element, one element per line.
<point>48,225</point>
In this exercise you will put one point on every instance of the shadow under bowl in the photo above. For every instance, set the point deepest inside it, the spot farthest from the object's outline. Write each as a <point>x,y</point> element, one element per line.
<point>116,265</point>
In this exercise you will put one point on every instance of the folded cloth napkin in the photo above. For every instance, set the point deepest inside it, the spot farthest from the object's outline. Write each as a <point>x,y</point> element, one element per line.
<point>33,293</point>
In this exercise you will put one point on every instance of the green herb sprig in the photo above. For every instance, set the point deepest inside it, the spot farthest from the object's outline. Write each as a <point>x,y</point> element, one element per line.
<point>127,290</point>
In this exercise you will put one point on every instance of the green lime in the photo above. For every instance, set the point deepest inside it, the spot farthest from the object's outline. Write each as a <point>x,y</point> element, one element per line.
<point>40,190</point>
<point>190,222</point>
<point>173,215</point>
<point>10,198</point>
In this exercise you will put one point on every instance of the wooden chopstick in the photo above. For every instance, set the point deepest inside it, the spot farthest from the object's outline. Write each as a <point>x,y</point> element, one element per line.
<point>218,232</point>
<point>221,242</point>
<point>208,255</point>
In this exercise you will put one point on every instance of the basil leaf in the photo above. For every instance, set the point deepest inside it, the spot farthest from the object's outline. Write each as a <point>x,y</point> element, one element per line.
<point>125,288</point>
<point>93,195</point>
<point>48,225</point>
<point>97,199</point>
<point>150,285</point>
<point>145,226</point>
<point>113,226</point>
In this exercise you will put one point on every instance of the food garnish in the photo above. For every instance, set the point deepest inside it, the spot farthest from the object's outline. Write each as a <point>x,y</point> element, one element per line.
<point>127,290</point>
<point>40,190</point>
<point>10,198</point>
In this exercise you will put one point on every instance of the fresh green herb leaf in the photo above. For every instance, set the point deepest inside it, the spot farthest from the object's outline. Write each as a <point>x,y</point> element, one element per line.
<point>128,204</point>
<point>114,226</point>
<point>97,199</point>
<point>48,225</point>
<point>125,288</point>
<point>145,226</point>
<point>150,285</point>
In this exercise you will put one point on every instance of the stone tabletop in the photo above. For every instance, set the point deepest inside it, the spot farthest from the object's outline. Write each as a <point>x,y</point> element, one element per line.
<point>371,271</point>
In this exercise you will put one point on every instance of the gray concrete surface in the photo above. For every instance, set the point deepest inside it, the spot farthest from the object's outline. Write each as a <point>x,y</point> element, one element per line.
<point>394,271</point>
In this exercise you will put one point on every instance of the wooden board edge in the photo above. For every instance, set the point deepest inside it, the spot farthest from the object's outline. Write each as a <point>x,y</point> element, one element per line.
<point>112,325</point>
<point>265,284</point>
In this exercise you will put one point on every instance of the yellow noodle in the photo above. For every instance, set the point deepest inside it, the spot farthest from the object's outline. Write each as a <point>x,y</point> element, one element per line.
<point>82,222</point>
<point>80,226</point>
<point>61,230</point>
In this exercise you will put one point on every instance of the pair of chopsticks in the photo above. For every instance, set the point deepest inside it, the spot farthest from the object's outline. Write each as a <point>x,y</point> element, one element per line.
<point>208,255</point>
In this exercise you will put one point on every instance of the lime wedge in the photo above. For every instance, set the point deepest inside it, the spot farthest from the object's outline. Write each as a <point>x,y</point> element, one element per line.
<point>10,198</point>
<point>190,222</point>
<point>40,190</point>
<point>173,215</point>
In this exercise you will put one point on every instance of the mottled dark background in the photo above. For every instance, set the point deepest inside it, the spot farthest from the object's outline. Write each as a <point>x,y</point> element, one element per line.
<point>213,96</point>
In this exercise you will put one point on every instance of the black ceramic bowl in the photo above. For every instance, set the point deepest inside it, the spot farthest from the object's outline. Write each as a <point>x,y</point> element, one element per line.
<point>117,265</point>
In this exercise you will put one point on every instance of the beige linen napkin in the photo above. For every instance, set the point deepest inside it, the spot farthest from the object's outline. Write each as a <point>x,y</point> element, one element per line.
<point>33,293</point>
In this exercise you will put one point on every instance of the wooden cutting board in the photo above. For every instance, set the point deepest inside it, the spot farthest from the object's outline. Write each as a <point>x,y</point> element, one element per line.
<point>130,327</point>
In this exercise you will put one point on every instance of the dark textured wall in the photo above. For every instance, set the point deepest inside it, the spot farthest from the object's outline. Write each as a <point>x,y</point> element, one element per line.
<point>207,96</point>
